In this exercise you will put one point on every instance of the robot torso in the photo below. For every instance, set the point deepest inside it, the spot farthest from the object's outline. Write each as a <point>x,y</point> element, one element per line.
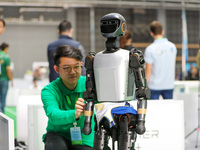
<point>113,78</point>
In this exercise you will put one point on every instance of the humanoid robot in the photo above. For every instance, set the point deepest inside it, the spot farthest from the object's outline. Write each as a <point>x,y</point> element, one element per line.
<point>113,77</point>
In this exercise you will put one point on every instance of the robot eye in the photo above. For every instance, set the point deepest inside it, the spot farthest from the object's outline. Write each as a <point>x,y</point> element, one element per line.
<point>109,26</point>
<point>112,22</point>
<point>104,23</point>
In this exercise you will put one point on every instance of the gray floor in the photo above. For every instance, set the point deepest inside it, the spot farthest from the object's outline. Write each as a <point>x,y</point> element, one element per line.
<point>191,141</point>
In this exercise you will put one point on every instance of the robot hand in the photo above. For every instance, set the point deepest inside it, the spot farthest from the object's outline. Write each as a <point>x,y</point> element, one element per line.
<point>88,117</point>
<point>140,128</point>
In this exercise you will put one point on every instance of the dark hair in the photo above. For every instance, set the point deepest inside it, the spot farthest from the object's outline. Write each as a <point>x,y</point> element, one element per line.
<point>156,27</point>
<point>123,39</point>
<point>4,23</point>
<point>3,46</point>
<point>64,26</point>
<point>66,51</point>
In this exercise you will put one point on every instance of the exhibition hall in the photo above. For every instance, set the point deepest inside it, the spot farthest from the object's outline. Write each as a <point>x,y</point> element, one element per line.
<point>99,74</point>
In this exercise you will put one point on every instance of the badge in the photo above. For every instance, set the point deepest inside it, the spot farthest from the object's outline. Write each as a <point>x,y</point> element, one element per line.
<point>75,135</point>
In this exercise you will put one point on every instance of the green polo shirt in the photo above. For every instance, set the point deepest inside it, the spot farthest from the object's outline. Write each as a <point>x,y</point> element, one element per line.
<point>59,105</point>
<point>4,62</point>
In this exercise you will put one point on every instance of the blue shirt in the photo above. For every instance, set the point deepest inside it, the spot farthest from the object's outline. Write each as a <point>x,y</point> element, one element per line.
<point>162,55</point>
<point>62,40</point>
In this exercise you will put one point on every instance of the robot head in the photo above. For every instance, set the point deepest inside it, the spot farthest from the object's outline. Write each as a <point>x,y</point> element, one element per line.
<point>113,25</point>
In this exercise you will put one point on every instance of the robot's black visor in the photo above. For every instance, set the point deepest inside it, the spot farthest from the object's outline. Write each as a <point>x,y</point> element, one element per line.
<point>109,26</point>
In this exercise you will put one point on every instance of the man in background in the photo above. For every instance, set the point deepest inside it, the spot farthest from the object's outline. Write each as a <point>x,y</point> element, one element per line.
<point>160,58</point>
<point>5,72</point>
<point>65,38</point>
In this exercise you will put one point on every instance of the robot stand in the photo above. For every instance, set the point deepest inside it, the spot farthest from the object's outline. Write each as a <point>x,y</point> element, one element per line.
<point>198,127</point>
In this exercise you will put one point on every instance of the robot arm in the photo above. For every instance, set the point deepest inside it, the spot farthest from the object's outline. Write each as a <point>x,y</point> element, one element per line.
<point>142,91</point>
<point>89,93</point>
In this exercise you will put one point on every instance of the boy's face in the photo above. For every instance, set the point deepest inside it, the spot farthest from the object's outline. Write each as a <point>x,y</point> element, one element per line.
<point>69,70</point>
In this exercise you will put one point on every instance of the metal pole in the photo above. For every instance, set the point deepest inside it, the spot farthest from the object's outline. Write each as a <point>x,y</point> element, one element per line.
<point>199,29</point>
<point>92,29</point>
<point>161,13</point>
<point>71,17</point>
<point>184,41</point>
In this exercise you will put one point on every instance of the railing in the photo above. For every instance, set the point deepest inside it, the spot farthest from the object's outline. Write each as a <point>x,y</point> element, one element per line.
<point>178,46</point>
<point>190,46</point>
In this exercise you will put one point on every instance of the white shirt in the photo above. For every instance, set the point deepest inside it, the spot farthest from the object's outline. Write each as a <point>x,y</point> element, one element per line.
<point>162,55</point>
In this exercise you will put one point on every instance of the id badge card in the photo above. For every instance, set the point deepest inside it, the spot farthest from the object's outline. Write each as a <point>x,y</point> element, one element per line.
<point>75,135</point>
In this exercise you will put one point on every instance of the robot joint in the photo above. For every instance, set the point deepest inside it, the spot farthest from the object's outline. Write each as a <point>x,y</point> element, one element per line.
<point>143,93</point>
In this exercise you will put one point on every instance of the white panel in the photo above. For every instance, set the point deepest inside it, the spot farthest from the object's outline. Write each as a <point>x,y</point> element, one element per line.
<point>164,126</point>
<point>12,96</point>
<point>23,87</point>
<point>22,114</point>
<point>37,123</point>
<point>186,86</point>
<point>6,132</point>
<point>190,110</point>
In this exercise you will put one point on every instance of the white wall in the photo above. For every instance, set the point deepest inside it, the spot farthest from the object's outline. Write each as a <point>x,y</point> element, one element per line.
<point>28,43</point>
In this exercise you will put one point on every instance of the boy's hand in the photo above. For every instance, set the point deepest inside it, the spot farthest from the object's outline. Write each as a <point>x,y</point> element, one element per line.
<point>80,107</point>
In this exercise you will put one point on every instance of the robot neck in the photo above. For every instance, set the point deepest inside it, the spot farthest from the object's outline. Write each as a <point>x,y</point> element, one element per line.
<point>112,44</point>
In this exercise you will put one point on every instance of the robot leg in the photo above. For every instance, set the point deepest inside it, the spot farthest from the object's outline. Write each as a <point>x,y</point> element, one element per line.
<point>133,139</point>
<point>101,140</point>
<point>114,136</point>
<point>126,136</point>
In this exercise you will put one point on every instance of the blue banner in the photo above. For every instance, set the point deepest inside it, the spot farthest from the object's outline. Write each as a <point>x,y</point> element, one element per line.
<point>184,36</point>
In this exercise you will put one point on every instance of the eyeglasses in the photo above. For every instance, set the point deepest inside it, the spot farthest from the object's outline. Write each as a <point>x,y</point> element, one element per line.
<point>69,69</point>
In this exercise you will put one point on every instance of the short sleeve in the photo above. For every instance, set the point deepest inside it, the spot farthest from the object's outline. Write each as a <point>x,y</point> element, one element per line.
<point>148,56</point>
<point>7,62</point>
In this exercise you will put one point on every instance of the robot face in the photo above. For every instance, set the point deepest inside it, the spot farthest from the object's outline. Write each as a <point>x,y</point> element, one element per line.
<point>113,25</point>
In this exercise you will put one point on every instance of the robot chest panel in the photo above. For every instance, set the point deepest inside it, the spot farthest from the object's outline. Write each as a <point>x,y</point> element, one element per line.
<point>111,76</point>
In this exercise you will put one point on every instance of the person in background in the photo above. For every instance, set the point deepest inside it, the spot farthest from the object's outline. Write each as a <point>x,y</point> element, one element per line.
<point>198,61</point>
<point>126,41</point>
<point>5,74</point>
<point>65,38</point>
<point>160,58</point>
<point>2,26</point>
<point>64,105</point>
<point>2,29</point>
<point>192,73</point>
<point>36,76</point>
